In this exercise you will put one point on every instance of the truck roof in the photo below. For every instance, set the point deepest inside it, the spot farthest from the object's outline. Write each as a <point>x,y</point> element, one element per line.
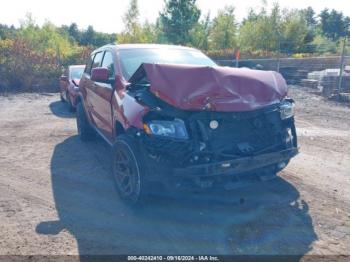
<point>143,46</point>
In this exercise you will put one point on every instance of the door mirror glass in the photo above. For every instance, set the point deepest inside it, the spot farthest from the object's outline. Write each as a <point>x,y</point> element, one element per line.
<point>100,74</point>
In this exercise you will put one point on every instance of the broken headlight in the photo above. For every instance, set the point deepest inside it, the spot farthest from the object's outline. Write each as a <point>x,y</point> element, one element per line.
<point>173,129</point>
<point>286,109</point>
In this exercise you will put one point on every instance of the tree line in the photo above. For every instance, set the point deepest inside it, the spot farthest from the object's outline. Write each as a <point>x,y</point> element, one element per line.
<point>32,56</point>
<point>262,33</point>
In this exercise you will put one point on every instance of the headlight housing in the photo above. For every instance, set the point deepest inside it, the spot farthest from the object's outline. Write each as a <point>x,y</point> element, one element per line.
<point>173,129</point>
<point>286,109</point>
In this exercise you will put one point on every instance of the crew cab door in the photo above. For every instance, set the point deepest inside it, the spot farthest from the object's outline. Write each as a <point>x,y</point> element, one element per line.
<point>101,95</point>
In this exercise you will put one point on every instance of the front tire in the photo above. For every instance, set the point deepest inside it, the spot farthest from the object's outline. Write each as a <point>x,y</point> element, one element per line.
<point>85,131</point>
<point>129,172</point>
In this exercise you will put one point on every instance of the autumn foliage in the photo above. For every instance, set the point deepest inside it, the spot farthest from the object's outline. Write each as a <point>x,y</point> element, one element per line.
<point>33,58</point>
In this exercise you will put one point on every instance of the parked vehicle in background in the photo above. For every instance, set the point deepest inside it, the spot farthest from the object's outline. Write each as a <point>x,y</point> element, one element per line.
<point>177,120</point>
<point>69,85</point>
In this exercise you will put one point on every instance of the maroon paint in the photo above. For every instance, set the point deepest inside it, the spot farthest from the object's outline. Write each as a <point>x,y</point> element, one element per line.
<point>126,109</point>
<point>186,87</point>
<point>99,74</point>
<point>215,88</point>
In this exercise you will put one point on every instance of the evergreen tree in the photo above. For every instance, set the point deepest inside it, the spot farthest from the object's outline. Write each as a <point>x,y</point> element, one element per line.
<point>223,33</point>
<point>178,18</point>
<point>334,25</point>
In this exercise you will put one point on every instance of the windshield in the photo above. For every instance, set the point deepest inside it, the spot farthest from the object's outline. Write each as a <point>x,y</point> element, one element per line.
<point>76,72</point>
<point>131,59</point>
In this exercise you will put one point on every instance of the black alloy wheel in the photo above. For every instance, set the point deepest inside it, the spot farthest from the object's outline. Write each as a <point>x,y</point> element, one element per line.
<point>128,172</point>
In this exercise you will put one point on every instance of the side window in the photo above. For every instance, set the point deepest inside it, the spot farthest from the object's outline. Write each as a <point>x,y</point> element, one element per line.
<point>88,65</point>
<point>97,60</point>
<point>109,64</point>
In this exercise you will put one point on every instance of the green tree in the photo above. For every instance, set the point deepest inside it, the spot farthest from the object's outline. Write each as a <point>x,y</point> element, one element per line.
<point>284,31</point>
<point>7,31</point>
<point>333,24</point>
<point>323,45</point>
<point>177,20</point>
<point>223,33</point>
<point>88,36</point>
<point>310,16</point>
<point>134,32</point>
<point>35,55</point>
<point>201,32</point>
<point>74,32</point>
<point>261,31</point>
<point>149,33</point>
<point>131,18</point>
<point>294,32</point>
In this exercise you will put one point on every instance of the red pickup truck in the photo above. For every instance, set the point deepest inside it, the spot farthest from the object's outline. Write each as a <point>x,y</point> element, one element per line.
<point>177,120</point>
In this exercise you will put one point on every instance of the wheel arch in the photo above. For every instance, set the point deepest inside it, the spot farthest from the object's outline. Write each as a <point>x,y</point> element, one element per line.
<point>118,129</point>
<point>78,99</point>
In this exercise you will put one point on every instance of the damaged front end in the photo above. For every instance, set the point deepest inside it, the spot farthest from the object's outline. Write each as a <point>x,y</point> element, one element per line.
<point>202,147</point>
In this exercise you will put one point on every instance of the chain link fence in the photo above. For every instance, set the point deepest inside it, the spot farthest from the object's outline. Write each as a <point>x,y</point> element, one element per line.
<point>329,75</point>
<point>323,73</point>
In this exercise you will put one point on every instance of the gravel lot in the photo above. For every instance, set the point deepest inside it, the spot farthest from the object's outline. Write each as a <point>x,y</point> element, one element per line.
<point>57,196</point>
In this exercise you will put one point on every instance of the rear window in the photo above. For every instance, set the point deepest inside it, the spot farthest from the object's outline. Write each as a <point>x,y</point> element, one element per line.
<point>76,72</point>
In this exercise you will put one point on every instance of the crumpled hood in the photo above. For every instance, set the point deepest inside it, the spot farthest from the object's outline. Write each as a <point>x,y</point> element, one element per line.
<point>222,89</point>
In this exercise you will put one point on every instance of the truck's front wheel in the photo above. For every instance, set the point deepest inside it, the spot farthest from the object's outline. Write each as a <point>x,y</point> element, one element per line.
<point>128,170</point>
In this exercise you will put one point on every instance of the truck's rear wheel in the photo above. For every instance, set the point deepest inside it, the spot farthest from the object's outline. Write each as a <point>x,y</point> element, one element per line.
<point>85,131</point>
<point>129,173</point>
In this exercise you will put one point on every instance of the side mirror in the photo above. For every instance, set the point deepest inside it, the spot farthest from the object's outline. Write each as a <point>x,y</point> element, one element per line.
<point>64,78</point>
<point>100,74</point>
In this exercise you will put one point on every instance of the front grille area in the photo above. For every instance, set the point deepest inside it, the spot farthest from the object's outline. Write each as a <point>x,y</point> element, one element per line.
<point>236,135</point>
<point>242,135</point>
<point>168,151</point>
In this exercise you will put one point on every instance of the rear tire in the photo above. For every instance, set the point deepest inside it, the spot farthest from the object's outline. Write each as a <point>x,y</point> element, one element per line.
<point>129,172</point>
<point>85,131</point>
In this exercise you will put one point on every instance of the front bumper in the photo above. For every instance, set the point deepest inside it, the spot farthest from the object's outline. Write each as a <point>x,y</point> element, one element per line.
<point>237,166</point>
<point>230,167</point>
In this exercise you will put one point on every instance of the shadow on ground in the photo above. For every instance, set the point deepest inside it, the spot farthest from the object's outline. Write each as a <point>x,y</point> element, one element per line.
<point>267,218</point>
<point>60,109</point>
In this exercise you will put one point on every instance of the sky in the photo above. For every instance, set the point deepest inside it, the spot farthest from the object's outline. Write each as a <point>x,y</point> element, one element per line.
<point>106,15</point>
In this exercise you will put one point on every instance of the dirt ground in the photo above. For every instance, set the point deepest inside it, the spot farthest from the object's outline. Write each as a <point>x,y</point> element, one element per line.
<point>57,195</point>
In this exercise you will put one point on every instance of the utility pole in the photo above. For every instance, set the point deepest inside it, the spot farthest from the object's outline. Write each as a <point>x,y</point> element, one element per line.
<point>341,65</point>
